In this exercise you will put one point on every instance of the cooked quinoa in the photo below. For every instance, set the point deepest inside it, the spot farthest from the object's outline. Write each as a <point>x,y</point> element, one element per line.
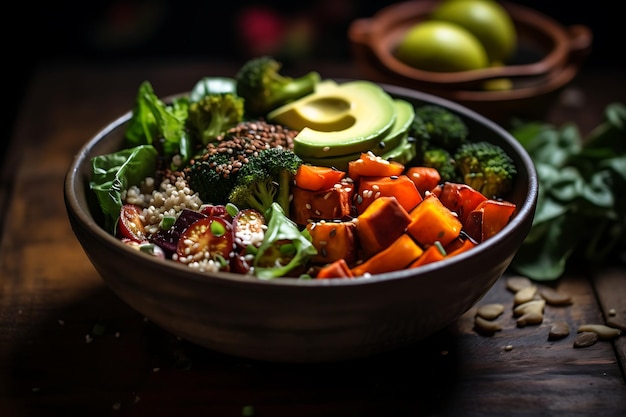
<point>168,199</point>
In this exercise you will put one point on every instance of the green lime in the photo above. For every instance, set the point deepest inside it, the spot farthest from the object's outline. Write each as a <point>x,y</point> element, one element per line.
<point>487,20</point>
<point>441,47</point>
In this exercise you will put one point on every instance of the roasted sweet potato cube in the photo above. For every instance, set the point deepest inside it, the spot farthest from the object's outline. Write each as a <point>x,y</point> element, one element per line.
<point>333,241</point>
<point>381,223</point>
<point>431,221</point>
<point>488,218</point>
<point>399,254</point>
<point>460,198</point>
<point>329,204</point>
<point>401,187</point>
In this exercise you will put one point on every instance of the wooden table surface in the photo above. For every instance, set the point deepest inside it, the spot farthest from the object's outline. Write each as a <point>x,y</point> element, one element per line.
<point>69,346</point>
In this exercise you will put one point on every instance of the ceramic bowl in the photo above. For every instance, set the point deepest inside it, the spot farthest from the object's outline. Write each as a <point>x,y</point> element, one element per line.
<point>547,58</point>
<point>300,321</point>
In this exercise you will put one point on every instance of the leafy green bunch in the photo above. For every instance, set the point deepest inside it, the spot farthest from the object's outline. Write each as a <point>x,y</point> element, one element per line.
<point>581,207</point>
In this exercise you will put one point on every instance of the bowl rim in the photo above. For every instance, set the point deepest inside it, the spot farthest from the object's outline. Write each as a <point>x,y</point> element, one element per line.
<point>366,31</point>
<point>86,220</point>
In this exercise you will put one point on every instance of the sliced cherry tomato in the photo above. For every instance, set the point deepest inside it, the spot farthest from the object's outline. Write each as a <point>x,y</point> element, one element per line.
<point>210,238</point>
<point>218,210</point>
<point>130,225</point>
<point>248,228</point>
<point>315,178</point>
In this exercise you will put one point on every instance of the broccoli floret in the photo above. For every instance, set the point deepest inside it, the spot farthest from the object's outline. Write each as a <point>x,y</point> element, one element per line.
<point>486,167</point>
<point>211,178</point>
<point>265,179</point>
<point>436,126</point>
<point>213,114</point>
<point>442,161</point>
<point>264,88</point>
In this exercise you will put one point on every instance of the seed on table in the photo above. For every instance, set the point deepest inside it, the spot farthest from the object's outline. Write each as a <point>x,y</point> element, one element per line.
<point>524,295</point>
<point>554,297</point>
<point>486,326</point>
<point>559,330</point>
<point>490,311</point>
<point>530,317</point>
<point>585,339</point>
<point>604,332</point>
<point>516,283</point>
<point>532,305</point>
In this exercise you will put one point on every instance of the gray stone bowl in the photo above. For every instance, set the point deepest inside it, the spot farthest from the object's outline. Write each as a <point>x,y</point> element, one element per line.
<point>301,321</point>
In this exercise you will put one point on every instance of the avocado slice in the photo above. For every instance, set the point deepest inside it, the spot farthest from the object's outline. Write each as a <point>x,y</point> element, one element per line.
<point>394,145</point>
<point>405,113</point>
<point>404,153</point>
<point>348,118</point>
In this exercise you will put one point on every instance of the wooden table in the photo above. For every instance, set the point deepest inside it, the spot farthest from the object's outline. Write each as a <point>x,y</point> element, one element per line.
<point>69,346</point>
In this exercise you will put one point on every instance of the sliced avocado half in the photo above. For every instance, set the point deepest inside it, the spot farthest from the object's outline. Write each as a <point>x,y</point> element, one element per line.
<point>405,113</point>
<point>347,118</point>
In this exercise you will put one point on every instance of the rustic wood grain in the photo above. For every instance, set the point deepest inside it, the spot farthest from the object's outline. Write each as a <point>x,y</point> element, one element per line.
<point>69,346</point>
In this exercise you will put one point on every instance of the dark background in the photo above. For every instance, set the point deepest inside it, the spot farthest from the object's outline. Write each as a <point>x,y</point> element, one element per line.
<point>127,30</point>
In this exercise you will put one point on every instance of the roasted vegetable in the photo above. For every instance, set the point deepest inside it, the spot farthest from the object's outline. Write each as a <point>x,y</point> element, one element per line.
<point>370,165</point>
<point>486,167</point>
<point>399,254</point>
<point>380,224</point>
<point>424,178</point>
<point>369,189</point>
<point>488,218</point>
<point>432,222</point>
<point>264,87</point>
<point>336,269</point>
<point>314,178</point>
<point>333,241</point>
<point>334,203</point>
<point>460,198</point>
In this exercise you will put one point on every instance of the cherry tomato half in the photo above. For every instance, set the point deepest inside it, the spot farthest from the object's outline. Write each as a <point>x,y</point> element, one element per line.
<point>210,238</point>
<point>130,225</point>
